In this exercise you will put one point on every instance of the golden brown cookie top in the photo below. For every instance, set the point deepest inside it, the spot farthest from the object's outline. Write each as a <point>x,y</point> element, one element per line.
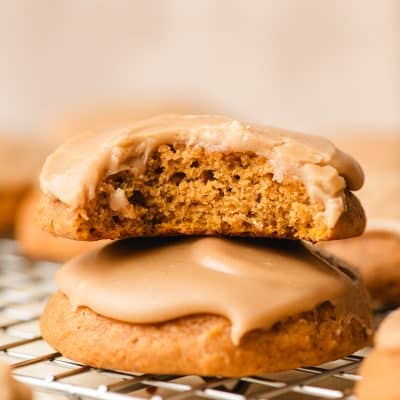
<point>252,283</point>
<point>72,172</point>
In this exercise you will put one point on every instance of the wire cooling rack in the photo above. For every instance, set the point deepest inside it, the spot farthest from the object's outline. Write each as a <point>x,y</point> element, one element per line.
<point>24,288</point>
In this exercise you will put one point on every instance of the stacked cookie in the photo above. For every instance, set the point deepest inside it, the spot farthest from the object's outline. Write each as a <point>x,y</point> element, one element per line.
<point>211,274</point>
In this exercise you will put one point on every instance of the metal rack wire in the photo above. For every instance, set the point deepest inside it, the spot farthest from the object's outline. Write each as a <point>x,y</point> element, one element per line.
<point>24,287</point>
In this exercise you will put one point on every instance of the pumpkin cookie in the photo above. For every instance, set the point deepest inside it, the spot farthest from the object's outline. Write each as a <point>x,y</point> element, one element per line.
<point>200,175</point>
<point>207,306</point>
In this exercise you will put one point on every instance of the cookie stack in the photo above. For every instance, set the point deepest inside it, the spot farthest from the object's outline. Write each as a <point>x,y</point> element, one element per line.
<point>210,274</point>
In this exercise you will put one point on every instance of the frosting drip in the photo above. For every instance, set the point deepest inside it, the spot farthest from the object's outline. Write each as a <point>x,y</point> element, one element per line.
<point>252,283</point>
<point>72,172</point>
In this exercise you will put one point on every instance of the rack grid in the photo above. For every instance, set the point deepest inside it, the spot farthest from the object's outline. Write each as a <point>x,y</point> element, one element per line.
<point>25,286</point>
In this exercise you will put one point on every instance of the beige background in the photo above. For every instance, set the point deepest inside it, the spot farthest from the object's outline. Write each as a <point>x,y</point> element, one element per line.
<point>305,64</point>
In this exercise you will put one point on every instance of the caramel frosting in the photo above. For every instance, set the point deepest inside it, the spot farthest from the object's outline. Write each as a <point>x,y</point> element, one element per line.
<point>72,173</point>
<point>388,334</point>
<point>254,283</point>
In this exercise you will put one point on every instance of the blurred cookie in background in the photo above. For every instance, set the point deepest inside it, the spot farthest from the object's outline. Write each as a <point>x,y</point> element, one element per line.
<point>20,161</point>
<point>10,389</point>
<point>376,254</point>
<point>380,369</point>
<point>40,245</point>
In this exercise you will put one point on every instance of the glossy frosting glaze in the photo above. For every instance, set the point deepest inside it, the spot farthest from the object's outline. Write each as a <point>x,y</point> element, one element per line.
<point>252,283</point>
<point>72,173</point>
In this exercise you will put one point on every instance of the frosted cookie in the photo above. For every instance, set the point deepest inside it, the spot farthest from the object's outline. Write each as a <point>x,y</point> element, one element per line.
<point>10,389</point>
<point>200,175</point>
<point>376,254</point>
<point>38,244</point>
<point>19,164</point>
<point>380,370</point>
<point>207,306</point>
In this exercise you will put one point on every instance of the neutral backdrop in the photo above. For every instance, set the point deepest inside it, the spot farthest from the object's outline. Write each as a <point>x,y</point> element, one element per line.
<point>304,64</point>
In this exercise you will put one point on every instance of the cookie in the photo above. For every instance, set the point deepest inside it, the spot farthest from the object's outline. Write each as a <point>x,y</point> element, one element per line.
<point>200,175</point>
<point>376,255</point>
<point>19,165</point>
<point>38,244</point>
<point>380,370</point>
<point>207,306</point>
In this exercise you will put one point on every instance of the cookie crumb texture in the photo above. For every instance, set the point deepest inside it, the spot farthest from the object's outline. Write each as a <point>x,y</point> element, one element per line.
<point>188,190</point>
<point>200,344</point>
